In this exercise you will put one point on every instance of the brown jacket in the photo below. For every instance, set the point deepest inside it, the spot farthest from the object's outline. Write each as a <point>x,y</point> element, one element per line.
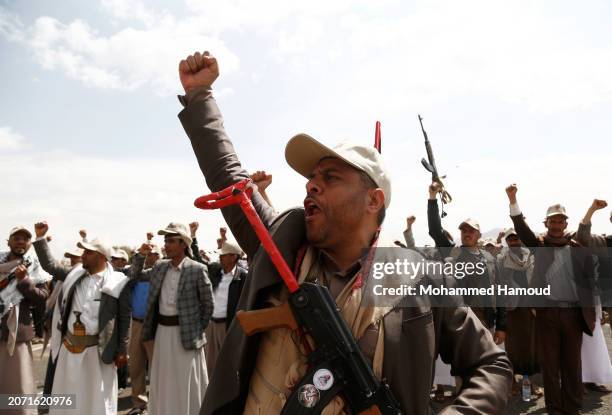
<point>413,336</point>
<point>581,262</point>
<point>33,296</point>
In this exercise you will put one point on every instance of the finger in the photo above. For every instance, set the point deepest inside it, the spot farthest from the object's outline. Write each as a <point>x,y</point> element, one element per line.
<point>192,64</point>
<point>184,67</point>
<point>206,53</point>
<point>199,60</point>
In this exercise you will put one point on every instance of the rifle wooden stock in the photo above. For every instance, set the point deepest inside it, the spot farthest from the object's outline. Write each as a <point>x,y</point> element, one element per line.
<point>266,319</point>
<point>372,410</point>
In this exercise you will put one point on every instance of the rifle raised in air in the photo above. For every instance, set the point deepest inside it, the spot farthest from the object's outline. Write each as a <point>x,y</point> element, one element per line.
<point>430,165</point>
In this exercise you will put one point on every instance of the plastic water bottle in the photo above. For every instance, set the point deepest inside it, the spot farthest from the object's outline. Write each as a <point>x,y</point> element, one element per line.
<point>526,389</point>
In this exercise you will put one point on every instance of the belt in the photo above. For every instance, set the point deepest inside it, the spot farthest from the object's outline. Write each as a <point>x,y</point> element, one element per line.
<point>77,344</point>
<point>140,320</point>
<point>218,320</point>
<point>168,320</point>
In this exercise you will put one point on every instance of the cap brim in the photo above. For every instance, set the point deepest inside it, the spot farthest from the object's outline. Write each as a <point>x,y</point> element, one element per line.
<point>24,230</point>
<point>167,232</point>
<point>467,224</point>
<point>303,153</point>
<point>85,245</point>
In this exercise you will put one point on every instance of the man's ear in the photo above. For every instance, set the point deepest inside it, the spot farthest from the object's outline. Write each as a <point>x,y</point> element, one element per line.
<point>376,199</point>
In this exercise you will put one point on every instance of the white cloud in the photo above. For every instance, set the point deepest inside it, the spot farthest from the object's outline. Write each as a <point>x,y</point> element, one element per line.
<point>388,53</point>
<point>10,140</point>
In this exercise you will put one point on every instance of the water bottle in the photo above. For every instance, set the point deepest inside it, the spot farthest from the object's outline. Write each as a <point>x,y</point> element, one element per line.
<point>526,389</point>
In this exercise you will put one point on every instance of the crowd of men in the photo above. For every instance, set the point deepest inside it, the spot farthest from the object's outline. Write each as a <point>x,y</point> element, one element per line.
<point>168,313</point>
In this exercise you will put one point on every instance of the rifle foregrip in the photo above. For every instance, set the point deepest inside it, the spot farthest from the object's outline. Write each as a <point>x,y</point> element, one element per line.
<point>266,319</point>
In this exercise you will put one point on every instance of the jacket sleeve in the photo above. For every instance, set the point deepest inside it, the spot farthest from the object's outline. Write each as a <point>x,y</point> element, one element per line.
<point>221,168</point>
<point>524,231</point>
<point>48,262</point>
<point>195,248</point>
<point>136,271</point>
<point>205,293</point>
<point>597,243</point>
<point>435,225</point>
<point>484,368</point>
<point>409,238</point>
<point>123,318</point>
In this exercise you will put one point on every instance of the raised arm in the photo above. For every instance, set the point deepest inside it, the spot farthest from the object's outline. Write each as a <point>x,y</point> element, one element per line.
<point>584,235</point>
<point>51,265</point>
<point>213,148</point>
<point>433,219</point>
<point>520,226</point>
<point>408,235</point>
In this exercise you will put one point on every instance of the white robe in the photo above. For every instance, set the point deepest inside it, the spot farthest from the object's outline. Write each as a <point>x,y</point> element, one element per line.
<point>178,376</point>
<point>84,374</point>
<point>596,367</point>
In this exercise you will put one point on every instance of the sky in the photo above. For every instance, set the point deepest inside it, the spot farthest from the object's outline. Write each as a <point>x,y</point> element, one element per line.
<point>511,92</point>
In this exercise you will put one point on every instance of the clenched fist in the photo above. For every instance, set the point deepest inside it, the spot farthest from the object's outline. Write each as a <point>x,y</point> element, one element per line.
<point>410,220</point>
<point>40,229</point>
<point>21,272</point>
<point>198,70</point>
<point>598,204</point>
<point>261,179</point>
<point>193,228</point>
<point>511,192</point>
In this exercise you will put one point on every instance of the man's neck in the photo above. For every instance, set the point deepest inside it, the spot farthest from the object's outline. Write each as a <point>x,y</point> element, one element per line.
<point>345,255</point>
<point>176,261</point>
<point>229,269</point>
<point>98,269</point>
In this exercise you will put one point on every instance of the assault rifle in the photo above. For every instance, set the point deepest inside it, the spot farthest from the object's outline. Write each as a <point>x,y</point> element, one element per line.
<point>336,365</point>
<point>430,165</point>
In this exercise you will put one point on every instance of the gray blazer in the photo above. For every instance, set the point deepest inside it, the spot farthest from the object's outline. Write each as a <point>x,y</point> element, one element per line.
<point>194,299</point>
<point>413,336</point>
<point>114,317</point>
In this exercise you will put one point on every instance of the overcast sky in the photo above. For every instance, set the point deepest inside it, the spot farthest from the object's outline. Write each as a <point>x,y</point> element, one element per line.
<point>514,91</point>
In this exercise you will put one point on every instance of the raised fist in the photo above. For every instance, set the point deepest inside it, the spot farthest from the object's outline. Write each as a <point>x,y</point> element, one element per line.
<point>193,227</point>
<point>598,204</point>
<point>40,229</point>
<point>261,179</point>
<point>145,249</point>
<point>83,233</point>
<point>149,236</point>
<point>511,191</point>
<point>198,70</point>
<point>434,188</point>
<point>410,220</point>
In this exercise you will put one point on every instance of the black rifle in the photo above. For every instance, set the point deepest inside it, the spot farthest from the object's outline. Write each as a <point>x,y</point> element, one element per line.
<point>430,165</point>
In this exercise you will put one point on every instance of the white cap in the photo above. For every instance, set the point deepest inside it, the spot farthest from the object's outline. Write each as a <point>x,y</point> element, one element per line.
<point>554,210</point>
<point>303,153</point>
<point>230,248</point>
<point>98,246</point>
<point>18,229</point>
<point>120,253</point>
<point>509,231</point>
<point>472,223</point>
<point>178,229</point>
<point>74,252</point>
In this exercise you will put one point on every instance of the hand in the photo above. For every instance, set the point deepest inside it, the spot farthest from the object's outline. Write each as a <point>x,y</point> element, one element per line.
<point>223,232</point>
<point>409,221</point>
<point>83,233</point>
<point>511,192</point>
<point>261,179</point>
<point>434,189</point>
<point>198,70</point>
<point>145,249</point>
<point>499,337</point>
<point>40,229</point>
<point>193,227</point>
<point>121,360</point>
<point>598,204</point>
<point>21,272</point>
<point>150,236</point>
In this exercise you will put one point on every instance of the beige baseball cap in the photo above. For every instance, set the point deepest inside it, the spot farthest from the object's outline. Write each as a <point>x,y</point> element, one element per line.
<point>18,229</point>
<point>178,229</point>
<point>230,248</point>
<point>98,246</point>
<point>75,252</point>
<point>472,223</point>
<point>120,253</point>
<point>303,153</point>
<point>557,209</point>
<point>509,231</point>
